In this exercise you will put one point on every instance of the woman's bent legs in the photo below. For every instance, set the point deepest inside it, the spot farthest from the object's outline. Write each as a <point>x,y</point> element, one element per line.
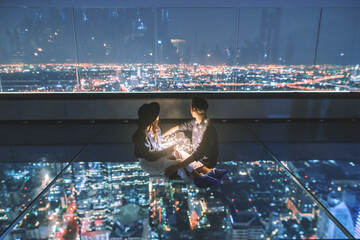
<point>158,166</point>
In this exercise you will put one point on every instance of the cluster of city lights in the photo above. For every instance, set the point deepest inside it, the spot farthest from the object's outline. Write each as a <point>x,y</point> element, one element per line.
<point>172,77</point>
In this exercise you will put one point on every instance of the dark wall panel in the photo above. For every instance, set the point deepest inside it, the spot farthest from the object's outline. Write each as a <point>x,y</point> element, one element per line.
<point>178,108</point>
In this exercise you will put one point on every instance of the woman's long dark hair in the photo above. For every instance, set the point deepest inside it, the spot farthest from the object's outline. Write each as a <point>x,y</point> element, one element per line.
<point>155,128</point>
<point>144,130</point>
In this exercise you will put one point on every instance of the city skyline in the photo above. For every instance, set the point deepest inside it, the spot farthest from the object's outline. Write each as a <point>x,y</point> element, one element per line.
<point>176,78</point>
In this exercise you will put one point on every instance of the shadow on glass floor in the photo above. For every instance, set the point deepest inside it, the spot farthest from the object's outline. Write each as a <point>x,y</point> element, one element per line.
<point>100,199</point>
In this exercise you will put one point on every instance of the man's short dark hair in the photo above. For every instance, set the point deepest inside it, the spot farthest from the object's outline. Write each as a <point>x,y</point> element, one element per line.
<point>199,105</point>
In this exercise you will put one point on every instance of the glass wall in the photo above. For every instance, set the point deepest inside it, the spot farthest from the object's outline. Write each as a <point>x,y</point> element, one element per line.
<point>277,36</point>
<point>37,51</point>
<point>115,36</point>
<point>339,40</point>
<point>179,49</point>
<point>276,48</point>
<point>202,35</point>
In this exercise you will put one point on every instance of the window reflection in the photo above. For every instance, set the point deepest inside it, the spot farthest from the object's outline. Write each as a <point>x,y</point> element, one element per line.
<point>113,35</point>
<point>201,35</point>
<point>339,37</point>
<point>36,35</point>
<point>277,36</point>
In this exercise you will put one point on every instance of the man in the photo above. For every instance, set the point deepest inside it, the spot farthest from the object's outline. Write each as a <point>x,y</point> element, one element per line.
<point>204,140</point>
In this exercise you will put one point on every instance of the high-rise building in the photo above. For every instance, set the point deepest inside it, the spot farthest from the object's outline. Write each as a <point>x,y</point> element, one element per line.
<point>246,225</point>
<point>327,228</point>
<point>357,225</point>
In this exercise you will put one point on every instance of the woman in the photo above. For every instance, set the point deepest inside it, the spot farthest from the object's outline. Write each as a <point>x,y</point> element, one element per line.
<point>154,159</point>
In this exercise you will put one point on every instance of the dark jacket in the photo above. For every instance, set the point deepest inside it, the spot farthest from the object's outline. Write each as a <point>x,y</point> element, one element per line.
<point>146,147</point>
<point>204,141</point>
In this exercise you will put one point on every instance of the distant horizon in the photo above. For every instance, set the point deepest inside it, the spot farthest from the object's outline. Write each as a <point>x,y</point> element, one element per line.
<point>177,64</point>
<point>149,77</point>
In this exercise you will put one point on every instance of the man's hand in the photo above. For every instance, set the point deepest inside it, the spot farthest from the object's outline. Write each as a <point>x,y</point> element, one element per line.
<point>171,170</point>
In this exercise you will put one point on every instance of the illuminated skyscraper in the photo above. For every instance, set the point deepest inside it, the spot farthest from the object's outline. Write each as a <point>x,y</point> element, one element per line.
<point>326,228</point>
<point>246,225</point>
<point>357,225</point>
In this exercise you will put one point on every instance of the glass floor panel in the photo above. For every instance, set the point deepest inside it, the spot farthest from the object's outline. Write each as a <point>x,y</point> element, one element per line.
<point>31,156</point>
<point>325,158</point>
<point>336,184</point>
<point>105,194</point>
<point>102,200</point>
<point>20,185</point>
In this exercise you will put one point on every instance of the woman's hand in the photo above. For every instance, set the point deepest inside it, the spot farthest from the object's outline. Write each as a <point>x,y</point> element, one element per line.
<point>172,150</point>
<point>170,131</point>
<point>171,170</point>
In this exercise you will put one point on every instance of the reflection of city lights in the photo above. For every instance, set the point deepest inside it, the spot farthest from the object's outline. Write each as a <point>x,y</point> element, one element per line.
<point>35,53</point>
<point>104,44</point>
<point>256,77</point>
<point>46,177</point>
<point>157,186</point>
<point>40,49</point>
<point>342,54</point>
<point>209,55</point>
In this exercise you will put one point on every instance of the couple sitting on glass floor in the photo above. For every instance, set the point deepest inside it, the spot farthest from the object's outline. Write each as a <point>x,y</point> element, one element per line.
<point>172,162</point>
